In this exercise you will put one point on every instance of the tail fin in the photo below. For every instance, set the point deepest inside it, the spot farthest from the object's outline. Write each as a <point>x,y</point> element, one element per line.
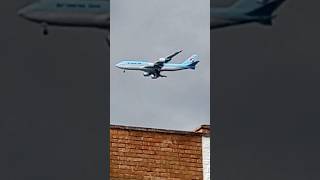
<point>191,62</point>
<point>258,7</point>
<point>267,9</point>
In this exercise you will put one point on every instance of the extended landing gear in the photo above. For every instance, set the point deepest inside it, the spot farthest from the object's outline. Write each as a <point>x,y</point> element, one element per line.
<point>108,38</point>
<point>108,41</point>
<point>45,30</point>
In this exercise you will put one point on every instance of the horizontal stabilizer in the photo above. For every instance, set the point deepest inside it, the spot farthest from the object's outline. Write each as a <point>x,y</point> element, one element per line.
<point>193,65</point>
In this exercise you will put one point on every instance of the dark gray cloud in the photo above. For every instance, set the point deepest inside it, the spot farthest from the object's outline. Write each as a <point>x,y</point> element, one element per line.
<point>181,101</point>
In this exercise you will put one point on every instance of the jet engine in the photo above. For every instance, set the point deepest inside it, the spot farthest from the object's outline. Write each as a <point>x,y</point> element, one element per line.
<point>162,59</point>
<point>153,76</point>
<point>146,74</point>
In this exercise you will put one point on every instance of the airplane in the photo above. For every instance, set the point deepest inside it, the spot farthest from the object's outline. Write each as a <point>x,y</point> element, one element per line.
<point>70,13</point>
<point>154,69</point>
<point>244,12</point>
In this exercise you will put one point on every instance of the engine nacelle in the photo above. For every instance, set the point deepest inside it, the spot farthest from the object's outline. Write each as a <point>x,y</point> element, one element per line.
<point>153,76</point>
<point>146,74</point>
<point>162,59</point>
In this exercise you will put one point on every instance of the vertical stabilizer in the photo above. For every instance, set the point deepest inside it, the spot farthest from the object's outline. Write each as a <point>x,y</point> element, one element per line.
<point>191,62</point>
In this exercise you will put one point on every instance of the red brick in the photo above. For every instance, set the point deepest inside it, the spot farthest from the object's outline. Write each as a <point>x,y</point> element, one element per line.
<point>154,155</point>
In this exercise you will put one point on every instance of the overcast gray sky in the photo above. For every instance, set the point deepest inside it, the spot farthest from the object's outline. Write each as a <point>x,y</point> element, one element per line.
<point>150,29</point>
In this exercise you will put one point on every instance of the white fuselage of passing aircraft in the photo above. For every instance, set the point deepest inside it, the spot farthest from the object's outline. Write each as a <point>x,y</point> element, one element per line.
<point>80,13</point>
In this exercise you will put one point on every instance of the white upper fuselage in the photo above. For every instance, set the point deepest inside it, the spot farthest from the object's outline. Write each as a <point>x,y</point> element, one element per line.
<point>85,13</point>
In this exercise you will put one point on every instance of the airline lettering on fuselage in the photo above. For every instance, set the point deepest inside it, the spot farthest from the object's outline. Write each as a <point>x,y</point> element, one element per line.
<point>134,62</point>
<point>62,5</point>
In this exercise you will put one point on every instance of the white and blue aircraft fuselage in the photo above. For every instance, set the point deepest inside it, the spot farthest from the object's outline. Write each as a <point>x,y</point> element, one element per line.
<point>154,69</point>
<point>79,13</point>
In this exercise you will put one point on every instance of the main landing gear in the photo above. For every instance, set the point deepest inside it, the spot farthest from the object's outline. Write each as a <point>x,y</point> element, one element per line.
<point>45,30</point>
<point>108,41</point>
<point>108,38</point>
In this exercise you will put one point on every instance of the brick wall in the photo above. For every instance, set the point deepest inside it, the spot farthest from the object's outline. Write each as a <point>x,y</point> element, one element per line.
<point>142,153</point>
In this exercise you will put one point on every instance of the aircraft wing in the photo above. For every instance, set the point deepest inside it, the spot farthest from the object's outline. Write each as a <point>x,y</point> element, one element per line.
<point>171,56</point>
<point>161,61</point>
<point>159,64</point>
<point>154,67</point>
<point>227,24</point>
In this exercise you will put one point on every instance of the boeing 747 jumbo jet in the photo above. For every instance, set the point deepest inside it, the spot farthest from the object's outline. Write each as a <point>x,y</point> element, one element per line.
<point>80,13</point>
<point>243,12</point>
<point>154,69</point>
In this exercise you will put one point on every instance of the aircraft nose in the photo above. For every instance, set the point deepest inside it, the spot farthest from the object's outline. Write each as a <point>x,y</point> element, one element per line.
<point>25,11</point>
<point>118,65</point>
<point>21,12</point>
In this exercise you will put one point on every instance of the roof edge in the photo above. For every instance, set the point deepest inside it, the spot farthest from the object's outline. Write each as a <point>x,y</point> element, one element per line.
<point>145,129</point>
